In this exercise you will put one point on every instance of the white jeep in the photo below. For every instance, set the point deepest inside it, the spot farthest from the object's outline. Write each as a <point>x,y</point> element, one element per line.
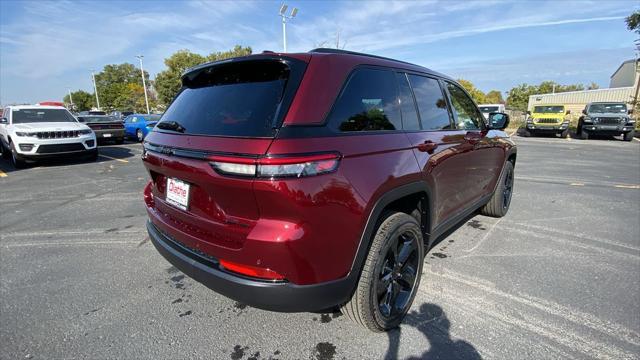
<point>32,132</point>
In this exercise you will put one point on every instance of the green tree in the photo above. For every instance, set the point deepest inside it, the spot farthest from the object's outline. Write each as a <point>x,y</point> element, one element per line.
<point>633,21</point>
<point>477,95</point>
<point>113,81</point>
<point>518,97</point>
<point>82,100</point>
<point>593,86</point>
<point>167,82</point>
<point>494,97</point>
<point>131,97</point>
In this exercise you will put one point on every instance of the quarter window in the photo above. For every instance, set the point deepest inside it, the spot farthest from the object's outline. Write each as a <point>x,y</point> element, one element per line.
<point>369,102</point>
<point>407,104</point>
<point>468,117</point>
<point>434,114</point>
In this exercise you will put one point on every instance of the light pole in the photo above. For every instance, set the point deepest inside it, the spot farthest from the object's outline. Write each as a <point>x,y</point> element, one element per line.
<point>95,87</point>
<point>70,97</point>
<point>144,83</point>
<point>283,15</point>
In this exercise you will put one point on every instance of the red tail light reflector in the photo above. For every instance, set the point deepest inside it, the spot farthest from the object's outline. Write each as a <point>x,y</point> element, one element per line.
<point>276,167</point>
<point>251,271</point>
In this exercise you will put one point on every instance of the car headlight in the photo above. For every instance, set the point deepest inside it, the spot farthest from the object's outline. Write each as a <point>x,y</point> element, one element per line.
<point>587,119</point>
<point>25,134</point>
<point>85,132</point>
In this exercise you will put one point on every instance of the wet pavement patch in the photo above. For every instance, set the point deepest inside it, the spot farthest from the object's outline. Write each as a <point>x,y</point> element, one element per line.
<point>186,313</point>
<point>440,255</point>
<point>92,311</point>
<point>325,318</point>
<point>255,356</point>
<point>325,351</point>
<point>476,224</point>
<point>238,352</point>
<point>111,230</point>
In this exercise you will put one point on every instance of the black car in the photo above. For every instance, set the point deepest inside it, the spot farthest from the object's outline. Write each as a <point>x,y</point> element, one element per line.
<point>106,127</point>
<point>606,118</point>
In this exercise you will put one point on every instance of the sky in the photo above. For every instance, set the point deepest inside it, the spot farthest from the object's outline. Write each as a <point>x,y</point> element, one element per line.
<point>48,47</point>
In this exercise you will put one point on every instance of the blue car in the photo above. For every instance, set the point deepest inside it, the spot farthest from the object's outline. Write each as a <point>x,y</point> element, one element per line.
<point>137,126</point>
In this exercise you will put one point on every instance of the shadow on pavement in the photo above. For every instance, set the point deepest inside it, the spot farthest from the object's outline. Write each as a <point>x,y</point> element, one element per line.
<point>433,323</point>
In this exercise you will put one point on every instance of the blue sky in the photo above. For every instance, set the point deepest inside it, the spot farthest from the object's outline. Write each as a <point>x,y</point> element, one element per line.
<point>47,47</point>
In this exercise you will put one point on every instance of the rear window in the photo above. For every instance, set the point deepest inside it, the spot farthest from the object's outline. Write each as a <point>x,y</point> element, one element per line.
<point>24,116</point>
<point>234,99</point>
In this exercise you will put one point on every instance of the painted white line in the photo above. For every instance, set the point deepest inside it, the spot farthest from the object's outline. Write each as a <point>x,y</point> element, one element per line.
<point>116,159</point>
<point>625,186</point>
<point>2,174</point>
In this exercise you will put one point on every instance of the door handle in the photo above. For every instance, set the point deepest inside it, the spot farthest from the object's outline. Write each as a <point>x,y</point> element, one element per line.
<point>427,146</point>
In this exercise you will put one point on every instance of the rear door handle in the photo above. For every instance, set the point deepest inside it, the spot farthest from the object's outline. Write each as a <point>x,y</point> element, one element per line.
<point>427,146</point>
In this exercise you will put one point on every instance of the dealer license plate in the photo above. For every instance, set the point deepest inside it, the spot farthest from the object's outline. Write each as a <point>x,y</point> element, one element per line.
<point>178,193</point>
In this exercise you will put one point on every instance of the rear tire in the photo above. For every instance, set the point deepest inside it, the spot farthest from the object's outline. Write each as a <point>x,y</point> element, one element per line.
<point>584,135</point>
<point>390,276</point>
<point>498,206</point>
<point>6,153</point>
<point>564,134</point>
<point>629,136</point>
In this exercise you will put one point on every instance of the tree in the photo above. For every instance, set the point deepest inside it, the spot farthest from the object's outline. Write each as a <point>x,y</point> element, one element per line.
<point>131,97</point>
<point>477,95</point>
<point>167,82</point>
<point>633,21</point>
<point>593,86</point>
<point>518,97</point>
<point>82,100</point>
<point>113,82</point>
<point>494,97</point>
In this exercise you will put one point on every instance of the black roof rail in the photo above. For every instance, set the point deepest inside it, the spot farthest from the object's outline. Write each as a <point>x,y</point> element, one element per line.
<point>347,52</point>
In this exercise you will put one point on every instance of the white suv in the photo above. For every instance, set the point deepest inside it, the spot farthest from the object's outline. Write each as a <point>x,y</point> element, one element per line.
<point>31,132</point>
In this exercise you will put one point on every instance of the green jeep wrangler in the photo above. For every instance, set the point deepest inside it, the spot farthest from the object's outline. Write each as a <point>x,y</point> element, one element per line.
<point>549,119</point>
<point>606,118</point>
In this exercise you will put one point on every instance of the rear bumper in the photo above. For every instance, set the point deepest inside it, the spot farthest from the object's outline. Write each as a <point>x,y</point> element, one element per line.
<point>275,296</point>
<point>109,134</point>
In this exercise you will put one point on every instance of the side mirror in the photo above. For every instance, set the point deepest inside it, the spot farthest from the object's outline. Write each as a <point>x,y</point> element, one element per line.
<point>498,121</point>
<point>568,112</point>
<point>584,111</point>
<point>528,112</point>
<point>630,111</point>
<point>4,120</point>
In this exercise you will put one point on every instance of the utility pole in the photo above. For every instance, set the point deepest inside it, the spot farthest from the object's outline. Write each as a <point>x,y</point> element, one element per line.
<point>95,87</point>
<point>70,97</point>
<point>283,15</point>
<point>144,83</point>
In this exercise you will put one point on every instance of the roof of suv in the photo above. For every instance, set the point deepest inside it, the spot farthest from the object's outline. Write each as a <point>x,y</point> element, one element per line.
<point>22,107</point>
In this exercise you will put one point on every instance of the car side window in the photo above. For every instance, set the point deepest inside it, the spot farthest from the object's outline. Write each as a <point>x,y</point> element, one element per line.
<point>410,119</point>
<point>134,119</point>
<point>468,117</point>
<point>369,102</point>
<point>432,106</point>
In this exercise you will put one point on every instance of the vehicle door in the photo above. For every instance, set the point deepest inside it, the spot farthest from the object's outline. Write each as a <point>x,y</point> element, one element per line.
<point>434,140</point>
<point>480,158</point>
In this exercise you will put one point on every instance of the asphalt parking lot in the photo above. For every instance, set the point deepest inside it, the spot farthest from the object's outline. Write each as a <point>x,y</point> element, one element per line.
<point>558,277</point>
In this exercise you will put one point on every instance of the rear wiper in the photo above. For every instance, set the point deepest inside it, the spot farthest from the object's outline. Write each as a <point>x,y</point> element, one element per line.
<point>171,125</point>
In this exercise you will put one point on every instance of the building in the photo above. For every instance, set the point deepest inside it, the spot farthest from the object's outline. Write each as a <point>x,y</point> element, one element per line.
<point>621,88</point>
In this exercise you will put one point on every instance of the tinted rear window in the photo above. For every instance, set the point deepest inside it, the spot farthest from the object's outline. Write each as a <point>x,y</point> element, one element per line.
<point>234,99</point>
<point>41,115</point>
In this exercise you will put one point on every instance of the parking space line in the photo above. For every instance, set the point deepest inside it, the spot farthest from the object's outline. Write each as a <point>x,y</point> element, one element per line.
<point>577,184</point>
<point>116,159</point>
<point>2,174</point>
<point>625,186</point>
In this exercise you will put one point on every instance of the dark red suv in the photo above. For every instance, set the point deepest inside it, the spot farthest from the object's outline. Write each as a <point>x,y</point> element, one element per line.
<point>305,182</point>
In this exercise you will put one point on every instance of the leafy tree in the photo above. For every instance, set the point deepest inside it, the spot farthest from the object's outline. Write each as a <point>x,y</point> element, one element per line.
<point>477,95</point>
<point>131,97</point>
<point>633,21</point>
<point>113,81</point>
<point>494,97</point>
<point>167,82</point>
<point>593,86</point>
<point>82,100</point>
<point>518,97</point>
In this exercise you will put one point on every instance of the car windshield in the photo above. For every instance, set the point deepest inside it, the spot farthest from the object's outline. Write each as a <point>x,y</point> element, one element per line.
<point>608,108</point>
<point>24,116</point>
<point>230,100</point>
<point>548,109</point>
<point>91,119</point>
<point>488,109</point>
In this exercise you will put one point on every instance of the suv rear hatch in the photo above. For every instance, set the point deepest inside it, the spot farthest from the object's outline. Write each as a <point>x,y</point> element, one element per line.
<point>234,109</point>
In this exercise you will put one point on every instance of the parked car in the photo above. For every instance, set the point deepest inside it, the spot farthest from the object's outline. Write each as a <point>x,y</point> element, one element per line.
<point>548,119</point>
<point>92,112</point>
<point>106,128</point>
<point>32,132</point>
<point>606,118</point>
<point>302,182</point>
<point>121,115</point>
<point>137,126</point>
<point>487,109</point>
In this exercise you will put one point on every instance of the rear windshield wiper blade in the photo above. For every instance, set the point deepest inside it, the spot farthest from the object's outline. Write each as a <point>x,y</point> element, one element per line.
<point>171,125</point>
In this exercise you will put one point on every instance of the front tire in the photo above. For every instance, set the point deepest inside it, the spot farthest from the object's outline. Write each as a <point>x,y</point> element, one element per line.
<point>498,206</point>
<point>629,136</point>
<point>584,135</point>
<point>564,134</point>
<point>390,276</point>
<point>16,161</point>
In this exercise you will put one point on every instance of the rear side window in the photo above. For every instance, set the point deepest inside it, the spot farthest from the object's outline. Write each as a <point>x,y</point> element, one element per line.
<point>369,102</point>
<point>434,114</point>
<point>233,99</point>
